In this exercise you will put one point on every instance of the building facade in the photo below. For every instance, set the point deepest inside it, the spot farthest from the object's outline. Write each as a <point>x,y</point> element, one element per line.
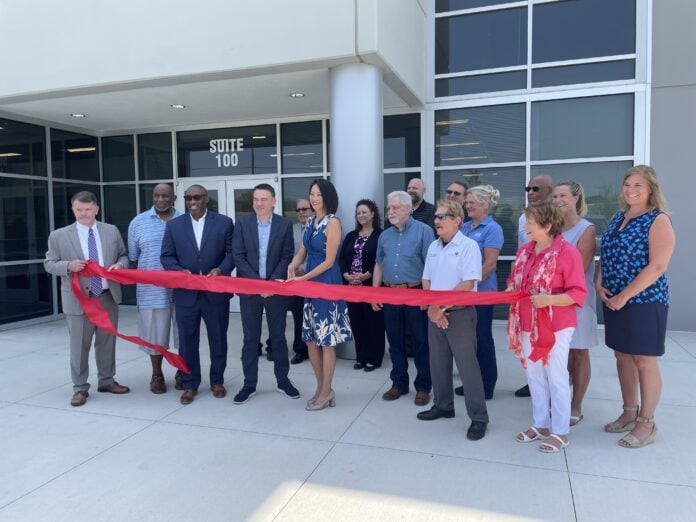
<point>368,93</point>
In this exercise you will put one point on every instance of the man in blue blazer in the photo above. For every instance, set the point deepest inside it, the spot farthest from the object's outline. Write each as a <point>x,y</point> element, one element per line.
<point>200,242</point>
<point>263,248</point>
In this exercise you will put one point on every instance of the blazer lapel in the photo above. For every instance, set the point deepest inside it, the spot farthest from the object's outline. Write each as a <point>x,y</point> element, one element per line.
<point>188,232</point>
<point>207,226</point>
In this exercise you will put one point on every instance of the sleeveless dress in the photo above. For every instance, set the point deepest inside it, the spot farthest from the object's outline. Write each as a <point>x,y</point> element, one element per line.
<point>640,327</point>
<point>585,335</point>
<point>324,322</point>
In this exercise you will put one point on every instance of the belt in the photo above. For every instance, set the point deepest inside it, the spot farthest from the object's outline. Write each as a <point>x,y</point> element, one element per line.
<point>403,285</point>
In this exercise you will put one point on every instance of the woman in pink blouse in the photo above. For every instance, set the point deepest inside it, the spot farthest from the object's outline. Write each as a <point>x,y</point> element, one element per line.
<point>540,328</point>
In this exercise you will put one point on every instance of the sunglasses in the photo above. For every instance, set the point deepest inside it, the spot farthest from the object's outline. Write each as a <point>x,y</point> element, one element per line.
<point>302,209</point>
<point>532,189</point>
<point>193,197</point>
<point>443,216</point>
<point>453,193</point>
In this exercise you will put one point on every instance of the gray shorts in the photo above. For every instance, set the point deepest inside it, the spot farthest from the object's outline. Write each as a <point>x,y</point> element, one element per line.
<point>154,327</point>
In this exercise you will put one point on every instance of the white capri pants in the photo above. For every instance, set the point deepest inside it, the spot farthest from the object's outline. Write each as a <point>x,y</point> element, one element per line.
<point>550,384</point>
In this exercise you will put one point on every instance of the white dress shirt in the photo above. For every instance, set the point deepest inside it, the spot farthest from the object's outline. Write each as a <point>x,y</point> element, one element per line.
<point>198,228</point>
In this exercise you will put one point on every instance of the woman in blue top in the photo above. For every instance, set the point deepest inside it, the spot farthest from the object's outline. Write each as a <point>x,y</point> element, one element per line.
<point>479,202</point>
<point>635,252</point>
<point>325,323</point>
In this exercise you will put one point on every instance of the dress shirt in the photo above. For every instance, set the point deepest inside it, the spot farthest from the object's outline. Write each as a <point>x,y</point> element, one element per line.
<point>83,234</point>
<point>449,265</point>
<point>488,234</point>
<point>298,232</point>
<point>145,235</point>
<point>264,230</point>
<point>402,253</point>
<point>198,227</point>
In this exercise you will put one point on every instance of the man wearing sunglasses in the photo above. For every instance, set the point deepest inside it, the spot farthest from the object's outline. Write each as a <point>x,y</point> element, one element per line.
<point>200,242</point>
<point>456,191</point>
<point>539,190</point>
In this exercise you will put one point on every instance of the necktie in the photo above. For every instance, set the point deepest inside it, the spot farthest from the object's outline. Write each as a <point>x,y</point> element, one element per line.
<point>95,284</point>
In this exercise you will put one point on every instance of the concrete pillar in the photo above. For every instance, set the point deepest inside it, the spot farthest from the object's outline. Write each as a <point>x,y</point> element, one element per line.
<point>355,149</point>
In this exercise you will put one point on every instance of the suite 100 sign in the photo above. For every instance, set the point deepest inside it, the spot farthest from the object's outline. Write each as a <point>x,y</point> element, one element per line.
<point>226,151</point>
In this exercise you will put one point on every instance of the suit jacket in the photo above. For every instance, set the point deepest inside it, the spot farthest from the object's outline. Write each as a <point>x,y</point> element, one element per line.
<point>246,247</point>
<point>64,246</point>
<point>369,254</point>
<point>298,238</point>
<point>180,252</point>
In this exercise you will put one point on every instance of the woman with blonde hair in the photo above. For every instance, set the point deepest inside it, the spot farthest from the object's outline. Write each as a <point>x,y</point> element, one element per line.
<point>631,283</point>
<point>569,197</point>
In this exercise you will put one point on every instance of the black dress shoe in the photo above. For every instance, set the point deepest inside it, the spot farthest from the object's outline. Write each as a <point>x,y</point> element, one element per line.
<point>523,391</point>
<point>298,358</point>
<point>459,390</point>
<point>369,367</point>
<point>435,413</point>
<point>358,366</point>
<point>476,431</point>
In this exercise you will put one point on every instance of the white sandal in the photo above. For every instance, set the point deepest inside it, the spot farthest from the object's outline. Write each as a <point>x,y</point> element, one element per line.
<point>546,447</point>
<point>523,437</point>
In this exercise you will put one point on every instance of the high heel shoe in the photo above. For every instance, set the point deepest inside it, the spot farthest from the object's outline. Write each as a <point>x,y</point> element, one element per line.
<point>618,427</point>
<point>330,401</point>
<point>631,441</point>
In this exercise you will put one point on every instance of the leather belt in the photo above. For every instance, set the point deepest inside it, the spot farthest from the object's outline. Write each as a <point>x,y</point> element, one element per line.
<point>403,285</point>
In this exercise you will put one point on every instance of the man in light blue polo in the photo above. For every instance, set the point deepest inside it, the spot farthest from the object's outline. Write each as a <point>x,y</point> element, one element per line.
<point>155,308</point>
<point>401,253</point>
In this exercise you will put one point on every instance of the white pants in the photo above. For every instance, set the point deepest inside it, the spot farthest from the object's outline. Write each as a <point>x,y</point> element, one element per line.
<point>550,384</point>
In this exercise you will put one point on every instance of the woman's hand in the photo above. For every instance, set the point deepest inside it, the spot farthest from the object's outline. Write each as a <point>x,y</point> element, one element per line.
<point>542,300</point>
<point>291,272</point>
<point>616,302</point>
<point>603,293</point>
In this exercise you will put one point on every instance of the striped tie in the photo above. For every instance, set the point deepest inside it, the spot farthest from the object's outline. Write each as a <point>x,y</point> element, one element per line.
<point>95,283</point>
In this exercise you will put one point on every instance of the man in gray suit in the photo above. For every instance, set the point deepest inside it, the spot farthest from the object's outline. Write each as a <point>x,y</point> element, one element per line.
<point>304,212</point>
<point>69,248</point>
<point>262,248</point>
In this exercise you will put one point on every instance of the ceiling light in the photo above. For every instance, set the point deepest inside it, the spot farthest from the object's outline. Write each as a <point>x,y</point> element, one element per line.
<point>177,106</point>
<point>286,154</point>
<point>297,95</point>
<point>9,154</point>
<point>258,137</point>
<point>451,122</point>
<point>2,128</point>
<point>83,149</point>
<point>77,115</point>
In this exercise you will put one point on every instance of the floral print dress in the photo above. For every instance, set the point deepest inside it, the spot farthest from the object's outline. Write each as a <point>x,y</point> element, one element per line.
<point>324,322</point>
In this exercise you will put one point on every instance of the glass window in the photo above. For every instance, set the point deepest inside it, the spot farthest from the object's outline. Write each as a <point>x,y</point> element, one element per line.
<point>582,127</point>
<point>302,147</point>
<point>402,141</point>
<point>442,6</point>
<point>481,41</point>
<point>506,81</point>
<point>577,29</point>
<point>146,190</point>
<point>74,156</point>
<point>155,156</point>
<point>294,189</point>
<point>510,181</point>
<point>119,210</point>
<point>62,193</point>
<point>25,292</point>
<point>494,134</point>
<point>118,160</point>
<point>230,151</point>
<point>584,73</point>
<point>23,219</point>
<point>22,148</point>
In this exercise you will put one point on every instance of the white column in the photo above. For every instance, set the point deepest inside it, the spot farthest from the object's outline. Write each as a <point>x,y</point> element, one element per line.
<point>355,149</point>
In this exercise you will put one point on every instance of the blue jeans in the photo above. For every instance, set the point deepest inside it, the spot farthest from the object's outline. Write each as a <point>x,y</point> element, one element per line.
<point>485,347</point>
<point>396,319</point>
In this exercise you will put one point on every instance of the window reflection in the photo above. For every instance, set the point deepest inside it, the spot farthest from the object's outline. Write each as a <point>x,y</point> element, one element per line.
<point>155,156</point>
<point>23,219</point>
<point>22,148</point>
<point>402,141</point>
<point>302,147</point>
<point>74,156</point>
<point>25,292</point>
<point>118,159</point>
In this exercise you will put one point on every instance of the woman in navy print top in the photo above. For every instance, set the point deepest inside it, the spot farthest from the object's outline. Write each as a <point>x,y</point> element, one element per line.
<point>635,252</point>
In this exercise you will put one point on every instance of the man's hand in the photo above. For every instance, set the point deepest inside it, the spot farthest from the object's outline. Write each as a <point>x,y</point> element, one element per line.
<point>115,266</point>
<point>376,306</point>
<point>214,272</point>
<point>77,265</point>
<point>437,315</point>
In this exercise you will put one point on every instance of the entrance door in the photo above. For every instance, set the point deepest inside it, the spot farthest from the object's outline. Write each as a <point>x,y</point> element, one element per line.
<point>231,197</point>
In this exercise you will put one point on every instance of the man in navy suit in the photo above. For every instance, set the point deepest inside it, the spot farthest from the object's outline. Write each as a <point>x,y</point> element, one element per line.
<point>263,248</point>
<point>200,242</point>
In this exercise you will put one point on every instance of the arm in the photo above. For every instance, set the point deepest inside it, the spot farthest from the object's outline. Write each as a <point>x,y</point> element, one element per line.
<point>53,264</point>
<point>603,293</point>
<point>333,238</point>
<point>227,264</point>
<point>288,248</point>
<point>661,246</point>
<point>296,262</point>
<point>574,286</point>
<point>377,281</point>
<point>587,247</point>
<point>122,261</point>
<point>133,244</point>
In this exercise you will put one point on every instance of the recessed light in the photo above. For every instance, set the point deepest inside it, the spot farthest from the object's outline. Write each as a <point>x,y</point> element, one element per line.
<point>258,137</point>
<point>77,115</point>
<point>297,95</point>
<point>83,149</point>
<point>9,154</point>
<point>2,128</point>
<point>177,106</point>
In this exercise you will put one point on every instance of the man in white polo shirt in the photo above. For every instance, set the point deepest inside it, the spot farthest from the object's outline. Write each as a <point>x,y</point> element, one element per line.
<point>454,263</point>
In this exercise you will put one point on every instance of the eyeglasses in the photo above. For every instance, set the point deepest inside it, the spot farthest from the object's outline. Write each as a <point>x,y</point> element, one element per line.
<point>532,189</point>
<point>453,193</point>
<point>302,209</point>
<point>194,197</point>
<point>443,216</point>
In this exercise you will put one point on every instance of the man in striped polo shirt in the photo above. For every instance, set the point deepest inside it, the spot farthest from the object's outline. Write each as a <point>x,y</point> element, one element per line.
<point>155,308</point>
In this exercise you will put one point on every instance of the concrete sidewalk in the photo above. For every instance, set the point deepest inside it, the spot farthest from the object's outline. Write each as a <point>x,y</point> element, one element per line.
<point>147,457</point>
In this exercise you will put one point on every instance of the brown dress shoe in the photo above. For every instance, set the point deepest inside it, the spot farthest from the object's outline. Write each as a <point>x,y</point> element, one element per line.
<point>178,385</point>
<point>188,396</point>
<point>79,398</point>
<point>393,393</point>
<point>422,398</point>
<point>157,384</point>
<point>114,387</point>
<point>219,391</point>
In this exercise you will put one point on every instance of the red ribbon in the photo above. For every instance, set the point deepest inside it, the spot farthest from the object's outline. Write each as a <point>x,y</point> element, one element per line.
<point>238,285</point>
